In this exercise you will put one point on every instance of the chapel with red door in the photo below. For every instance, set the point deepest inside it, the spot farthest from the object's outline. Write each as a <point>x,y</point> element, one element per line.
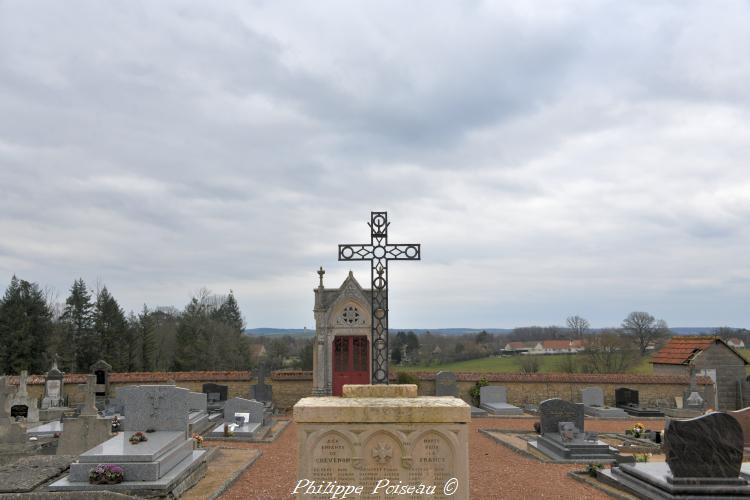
<point>341,353</point>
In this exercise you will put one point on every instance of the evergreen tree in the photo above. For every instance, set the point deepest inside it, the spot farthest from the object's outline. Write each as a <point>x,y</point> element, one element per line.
<point>146,339</point>
<point>25,327</point>
<point>113,339</point>
<point>229,313</point>
<point>80,342</point>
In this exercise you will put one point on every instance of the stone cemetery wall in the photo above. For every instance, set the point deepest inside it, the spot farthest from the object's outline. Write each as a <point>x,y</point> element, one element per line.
<point>291,386</point>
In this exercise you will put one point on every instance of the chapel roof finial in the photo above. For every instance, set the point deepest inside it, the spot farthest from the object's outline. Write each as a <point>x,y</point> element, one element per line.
<point>321,272</point>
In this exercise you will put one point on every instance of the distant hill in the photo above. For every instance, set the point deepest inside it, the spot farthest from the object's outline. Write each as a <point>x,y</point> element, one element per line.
<point>305,332</point>
<point>311,332</point>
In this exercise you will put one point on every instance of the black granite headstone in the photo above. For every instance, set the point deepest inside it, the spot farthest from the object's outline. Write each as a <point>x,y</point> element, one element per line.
<point>445,384</point>
<point>625,397</point>
<point>553,411</point>
<point>709,446</point>
<point>261,391</point>
<point>219,389</point>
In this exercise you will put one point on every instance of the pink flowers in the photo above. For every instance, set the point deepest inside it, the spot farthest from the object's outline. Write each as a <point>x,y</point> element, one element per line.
<point>106,474</point>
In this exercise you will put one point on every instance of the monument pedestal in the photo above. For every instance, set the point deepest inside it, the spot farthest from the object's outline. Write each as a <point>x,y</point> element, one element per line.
<point>384,440</point>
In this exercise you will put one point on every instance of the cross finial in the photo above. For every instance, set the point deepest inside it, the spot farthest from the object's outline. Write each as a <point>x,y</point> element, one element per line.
<point>321,272</point>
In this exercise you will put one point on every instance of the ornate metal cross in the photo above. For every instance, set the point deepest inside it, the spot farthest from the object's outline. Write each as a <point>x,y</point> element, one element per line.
<point>379,252</point>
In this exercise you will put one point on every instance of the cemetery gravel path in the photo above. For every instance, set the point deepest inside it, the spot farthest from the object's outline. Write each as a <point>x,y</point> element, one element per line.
<point>495,471</point>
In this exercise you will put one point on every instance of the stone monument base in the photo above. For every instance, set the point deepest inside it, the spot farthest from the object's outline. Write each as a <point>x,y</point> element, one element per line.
<point>383,442</point>
<point>654,480</point>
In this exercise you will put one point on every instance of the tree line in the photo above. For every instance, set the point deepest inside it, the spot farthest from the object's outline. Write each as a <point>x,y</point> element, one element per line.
<point>90,325</point>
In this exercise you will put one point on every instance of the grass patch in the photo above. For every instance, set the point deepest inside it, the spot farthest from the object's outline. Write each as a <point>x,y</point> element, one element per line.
<point>509,364</point>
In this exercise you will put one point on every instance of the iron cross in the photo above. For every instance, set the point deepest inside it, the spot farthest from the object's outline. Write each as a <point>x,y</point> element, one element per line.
<point>379,252</point>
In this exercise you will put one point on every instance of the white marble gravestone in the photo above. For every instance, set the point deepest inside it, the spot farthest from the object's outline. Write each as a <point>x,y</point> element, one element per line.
<point>375,436</point>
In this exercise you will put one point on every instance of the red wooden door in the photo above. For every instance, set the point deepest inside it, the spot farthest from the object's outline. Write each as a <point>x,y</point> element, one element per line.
<point>351,362</point>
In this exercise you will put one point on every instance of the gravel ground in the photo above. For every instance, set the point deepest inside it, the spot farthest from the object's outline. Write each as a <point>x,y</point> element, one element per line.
<point>495,472</point>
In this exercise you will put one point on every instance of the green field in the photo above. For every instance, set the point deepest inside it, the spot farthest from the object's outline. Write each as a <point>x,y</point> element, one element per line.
<point>549,364</point>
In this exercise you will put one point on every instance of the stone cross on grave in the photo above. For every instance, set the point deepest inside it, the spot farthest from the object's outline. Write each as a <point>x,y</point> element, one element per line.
<point>379,252</point>
<point>22,381</point>
<point>155,400</point>
<point>89,403</point>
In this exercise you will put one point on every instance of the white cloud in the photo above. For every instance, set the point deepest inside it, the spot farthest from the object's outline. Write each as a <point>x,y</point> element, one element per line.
<point>586,157</point>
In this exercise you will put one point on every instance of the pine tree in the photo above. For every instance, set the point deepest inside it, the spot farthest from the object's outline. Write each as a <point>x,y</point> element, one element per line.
<point>111,333</point>
<point>81,344</point>
<point>25,327</point>
<point>147,341</point>
<point>229,313</point>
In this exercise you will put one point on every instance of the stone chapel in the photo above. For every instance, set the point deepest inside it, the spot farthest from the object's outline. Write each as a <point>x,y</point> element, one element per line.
<point>342,336</point>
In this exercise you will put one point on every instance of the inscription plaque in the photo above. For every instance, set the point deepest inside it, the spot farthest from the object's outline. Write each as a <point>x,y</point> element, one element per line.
<point>407,456</point>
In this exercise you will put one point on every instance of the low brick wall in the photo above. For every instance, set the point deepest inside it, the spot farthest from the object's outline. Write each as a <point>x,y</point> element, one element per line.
<point>290,386</point>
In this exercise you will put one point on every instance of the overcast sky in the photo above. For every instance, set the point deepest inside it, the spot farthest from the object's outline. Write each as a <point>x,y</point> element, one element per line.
<point>587,158</point>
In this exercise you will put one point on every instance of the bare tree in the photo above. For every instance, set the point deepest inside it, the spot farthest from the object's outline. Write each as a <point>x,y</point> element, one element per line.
<point>609,352</point>
<point>529,363</point>
<point>578,325</point>
<point>644,328</point>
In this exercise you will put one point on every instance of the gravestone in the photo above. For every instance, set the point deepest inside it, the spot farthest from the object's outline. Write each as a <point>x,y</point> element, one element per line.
<point>703,459</point>
<point>494,399</point>
<point>53,388</point>
<point>156,407</point>
<point>372,435</point>
<point>253,415</point>
<point>21,404</point>
<point>626,397</point>
<point>198,401</point>
<point>13,439</point>
<point>217,395</point>
<point>592,396</point>
<point>101,369</point>
<point>743,418</point>
<point>198,418</point>
<point>563,438</point>
<point>445,384</point>
<point>261,391</point>
<point>554,411</point>
<point>164,462</point>
<point>89,429</point>
<point>593,404</point>
<point>628,400</point>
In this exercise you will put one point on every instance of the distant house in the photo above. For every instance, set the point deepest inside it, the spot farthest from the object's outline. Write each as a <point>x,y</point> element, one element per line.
<point>519,347</point>
<point>707,356</point>
<point>736,343</point>
<point>561,346</point>
<point>545,347</point>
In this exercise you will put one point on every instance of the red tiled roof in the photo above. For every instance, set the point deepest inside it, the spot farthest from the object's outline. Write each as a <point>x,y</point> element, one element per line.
<point>681,350</point>
<point>556,344</point>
